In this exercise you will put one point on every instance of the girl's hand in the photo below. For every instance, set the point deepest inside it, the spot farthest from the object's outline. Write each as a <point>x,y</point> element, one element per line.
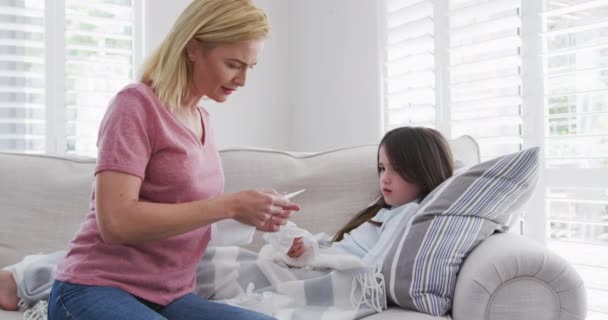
<point>297,248</point>
<point>264,209</point>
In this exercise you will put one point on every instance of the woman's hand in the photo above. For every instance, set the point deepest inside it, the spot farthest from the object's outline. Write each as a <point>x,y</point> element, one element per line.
<point>297,248</point>
<point>265,209</point>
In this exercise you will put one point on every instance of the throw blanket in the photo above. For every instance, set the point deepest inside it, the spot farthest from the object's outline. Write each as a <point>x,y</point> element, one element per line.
<point>340,286</point>
<point>333,285</point>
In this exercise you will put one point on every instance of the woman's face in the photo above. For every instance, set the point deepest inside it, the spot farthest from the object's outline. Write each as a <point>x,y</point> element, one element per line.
<point>220,70</point>
<point>396,190</point>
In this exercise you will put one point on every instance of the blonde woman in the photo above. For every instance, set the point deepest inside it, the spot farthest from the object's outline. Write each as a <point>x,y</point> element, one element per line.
<point>159,180</point>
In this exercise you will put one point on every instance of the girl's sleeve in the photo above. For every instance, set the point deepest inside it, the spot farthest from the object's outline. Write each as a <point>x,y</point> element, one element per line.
<point>357,242</point>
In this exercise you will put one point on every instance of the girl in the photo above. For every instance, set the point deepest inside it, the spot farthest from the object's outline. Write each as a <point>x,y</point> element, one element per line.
<point>412,161</point>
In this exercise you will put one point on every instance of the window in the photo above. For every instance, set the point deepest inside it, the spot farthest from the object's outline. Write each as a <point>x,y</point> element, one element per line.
<point>61,62</point>
<point>514,74</point>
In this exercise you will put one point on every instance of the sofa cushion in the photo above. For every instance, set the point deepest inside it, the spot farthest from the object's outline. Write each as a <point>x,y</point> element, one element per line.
<point>43,201</point>
<point>421,267</point>
<point>45,198</point>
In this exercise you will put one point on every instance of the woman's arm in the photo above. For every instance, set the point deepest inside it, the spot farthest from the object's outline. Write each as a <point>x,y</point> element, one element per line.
<point>123,218</point>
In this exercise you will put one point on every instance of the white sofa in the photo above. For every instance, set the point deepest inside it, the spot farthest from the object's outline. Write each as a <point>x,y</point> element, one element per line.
<point>43,200</point>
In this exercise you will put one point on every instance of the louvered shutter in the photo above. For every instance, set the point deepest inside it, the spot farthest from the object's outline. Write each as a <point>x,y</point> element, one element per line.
<point>99,61</point>
<point>575,41</point>
<point>409,82</point>
<point>61,61</point>
<point>484,74</point>
<point>22,76</point>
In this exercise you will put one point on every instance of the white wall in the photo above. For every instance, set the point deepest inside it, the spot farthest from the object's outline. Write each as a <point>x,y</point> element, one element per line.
<point>259,114</point>
<point>316,85</point>
<point>334,71</point>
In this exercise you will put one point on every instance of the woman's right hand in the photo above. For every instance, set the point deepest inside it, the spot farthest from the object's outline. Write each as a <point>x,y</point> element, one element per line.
<point>264,209</point>
<point>297,248</point>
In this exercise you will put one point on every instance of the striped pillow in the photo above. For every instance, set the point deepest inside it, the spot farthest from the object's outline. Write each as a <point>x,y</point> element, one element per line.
<point>421,266</point>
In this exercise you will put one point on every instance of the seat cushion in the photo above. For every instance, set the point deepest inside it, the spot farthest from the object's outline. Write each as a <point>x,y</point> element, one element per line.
<point>395,313</point>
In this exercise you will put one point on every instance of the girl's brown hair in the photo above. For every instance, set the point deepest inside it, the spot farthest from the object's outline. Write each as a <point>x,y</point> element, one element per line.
<point>420,155</point>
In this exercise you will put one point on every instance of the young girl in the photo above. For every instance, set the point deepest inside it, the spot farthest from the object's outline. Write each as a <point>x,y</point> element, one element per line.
<point>412,161</point>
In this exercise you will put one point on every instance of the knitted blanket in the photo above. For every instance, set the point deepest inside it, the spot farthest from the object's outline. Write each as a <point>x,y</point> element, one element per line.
<point>339,286</point>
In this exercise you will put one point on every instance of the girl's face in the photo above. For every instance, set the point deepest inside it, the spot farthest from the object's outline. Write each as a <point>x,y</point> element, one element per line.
<point>396,190</point>
<point>219,71</point>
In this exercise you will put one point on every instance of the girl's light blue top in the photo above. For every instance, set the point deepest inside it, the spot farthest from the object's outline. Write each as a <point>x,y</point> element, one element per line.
<point>370,242</point>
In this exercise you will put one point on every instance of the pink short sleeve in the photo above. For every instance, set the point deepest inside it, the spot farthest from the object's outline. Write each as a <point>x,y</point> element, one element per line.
<point>125,135</point>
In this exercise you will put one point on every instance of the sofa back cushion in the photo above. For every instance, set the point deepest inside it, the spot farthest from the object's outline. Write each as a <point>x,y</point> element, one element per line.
<point>44,199</point>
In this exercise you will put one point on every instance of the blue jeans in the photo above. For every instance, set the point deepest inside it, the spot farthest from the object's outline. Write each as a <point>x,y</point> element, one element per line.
<point>80,302</point>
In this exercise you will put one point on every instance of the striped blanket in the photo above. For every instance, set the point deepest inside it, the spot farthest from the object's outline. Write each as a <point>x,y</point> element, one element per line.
<point>339,287</point>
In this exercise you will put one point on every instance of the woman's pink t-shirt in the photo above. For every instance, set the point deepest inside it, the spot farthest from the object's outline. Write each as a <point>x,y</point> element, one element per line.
<point>140,137</point>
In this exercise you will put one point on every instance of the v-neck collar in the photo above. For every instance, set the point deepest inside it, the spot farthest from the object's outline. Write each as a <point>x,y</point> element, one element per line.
<point>202,139</point>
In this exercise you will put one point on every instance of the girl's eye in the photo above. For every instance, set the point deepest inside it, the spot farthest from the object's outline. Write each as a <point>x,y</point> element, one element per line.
<point>233,66</point>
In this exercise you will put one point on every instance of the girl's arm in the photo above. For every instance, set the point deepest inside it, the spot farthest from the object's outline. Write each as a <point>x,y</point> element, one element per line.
<point>358,241</point>
<point>123,218</point>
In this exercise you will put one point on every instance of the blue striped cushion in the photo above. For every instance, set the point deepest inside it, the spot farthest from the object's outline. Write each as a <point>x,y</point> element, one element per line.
<point>420,268</point>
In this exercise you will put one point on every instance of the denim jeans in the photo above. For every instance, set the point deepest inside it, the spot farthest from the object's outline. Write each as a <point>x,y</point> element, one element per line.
<point>81,302</point>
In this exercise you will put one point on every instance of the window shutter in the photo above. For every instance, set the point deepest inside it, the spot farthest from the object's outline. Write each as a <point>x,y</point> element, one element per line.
<point>22,76</point>
<point>484,74</point>
<point>409,80</point>
<point>61,62</point>
<point>99,61</point>
<point>576,139</point>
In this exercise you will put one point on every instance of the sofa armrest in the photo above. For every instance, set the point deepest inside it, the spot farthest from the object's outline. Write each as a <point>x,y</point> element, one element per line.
<point>512,277</point>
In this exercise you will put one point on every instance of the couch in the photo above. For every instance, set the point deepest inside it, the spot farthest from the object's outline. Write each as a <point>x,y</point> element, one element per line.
<point>43,200</point>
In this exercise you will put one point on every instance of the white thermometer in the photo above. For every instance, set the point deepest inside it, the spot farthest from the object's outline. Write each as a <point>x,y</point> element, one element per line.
<point>293,194</point>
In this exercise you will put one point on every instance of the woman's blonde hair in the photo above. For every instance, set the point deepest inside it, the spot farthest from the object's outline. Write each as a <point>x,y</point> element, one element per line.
<point>211,22</point>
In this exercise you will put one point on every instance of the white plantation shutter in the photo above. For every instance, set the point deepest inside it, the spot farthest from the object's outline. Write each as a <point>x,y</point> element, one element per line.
<point>575,43</point>
<point>22,76</point>
<point>99,61</point>
<point>481,80</point>
<point>484,76</point>
<point>409,64</point>
<point>61,61</point>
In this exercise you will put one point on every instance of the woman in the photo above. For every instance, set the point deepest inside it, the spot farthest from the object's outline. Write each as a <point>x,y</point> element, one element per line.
<point>159,180</point>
